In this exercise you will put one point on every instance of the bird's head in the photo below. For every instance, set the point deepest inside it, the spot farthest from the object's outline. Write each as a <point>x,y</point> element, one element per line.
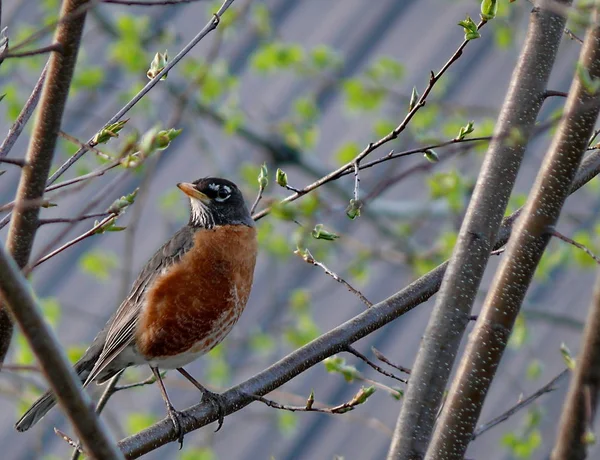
<point>215,201</point>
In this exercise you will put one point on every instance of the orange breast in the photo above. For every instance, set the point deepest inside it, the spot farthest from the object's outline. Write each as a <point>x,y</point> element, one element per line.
<point>196,302</point>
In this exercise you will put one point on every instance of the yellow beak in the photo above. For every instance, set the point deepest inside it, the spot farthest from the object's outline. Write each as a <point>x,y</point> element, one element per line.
<point>191,191</point>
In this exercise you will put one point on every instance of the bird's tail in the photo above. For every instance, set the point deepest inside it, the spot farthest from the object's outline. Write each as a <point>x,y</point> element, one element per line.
<point>47,401</point>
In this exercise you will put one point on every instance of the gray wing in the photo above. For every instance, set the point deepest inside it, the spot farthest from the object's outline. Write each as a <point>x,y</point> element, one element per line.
<point>122,327</point>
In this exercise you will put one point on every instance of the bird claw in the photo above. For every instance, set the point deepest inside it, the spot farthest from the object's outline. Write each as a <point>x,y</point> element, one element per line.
<point>217,401</point>
<point>177,419</point>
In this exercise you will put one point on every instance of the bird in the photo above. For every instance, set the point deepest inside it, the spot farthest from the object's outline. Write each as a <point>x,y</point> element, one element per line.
<point>184,302</point>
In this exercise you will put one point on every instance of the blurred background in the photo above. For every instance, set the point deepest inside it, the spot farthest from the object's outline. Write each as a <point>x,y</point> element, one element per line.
<point>303,86</point>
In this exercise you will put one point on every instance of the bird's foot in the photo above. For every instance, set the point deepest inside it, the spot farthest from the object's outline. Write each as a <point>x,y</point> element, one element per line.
<point>217,401</point>
<point>177,419</point>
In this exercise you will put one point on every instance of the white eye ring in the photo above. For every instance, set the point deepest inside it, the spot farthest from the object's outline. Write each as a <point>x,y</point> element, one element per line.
<point>223,192</point>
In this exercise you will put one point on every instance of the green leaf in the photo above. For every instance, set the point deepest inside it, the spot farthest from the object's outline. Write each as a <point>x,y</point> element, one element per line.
<point>51,309</point>
<point>277,56</point>
<point>534,369</point>
<point>567,357</point>
<point>139,421</point>
<point>346,152</point>
<point>99,264</point>
<point>320,233</point>
<point>470,28</point>
<point>383,127</point>
<point>261,343</point>
<point>323,57</point>
<point>218,370</point>
<point>89,77</point>
<point>306,108</point>
<point>335,364</point>
<point>287,422</point>
<point>360,97</point>
<point>520,333</point>
<point>489,8</point>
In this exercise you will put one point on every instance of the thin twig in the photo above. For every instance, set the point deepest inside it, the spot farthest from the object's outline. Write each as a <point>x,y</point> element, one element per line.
<point>24,115</point>
<point>381,357</point>
<point>308,257</point>
<point>90,175</point>
<point>13,161</point>
<point>552,93</point>
<point>80,144</point>
<point>566,239</point>
<point>520,405</point>
<point>572,36</point>
<point>106,221</point>
<point>335,410</point>
<point>356,181</point>
<point>261,189</point>
<point>382,371</point>
<point>68,439</point>
<point>19,368</point>
<point>57,47</point>
<point>149,381</point>
<point>71,220</point>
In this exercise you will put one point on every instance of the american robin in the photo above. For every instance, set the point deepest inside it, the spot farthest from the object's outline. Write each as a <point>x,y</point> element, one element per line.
<point>183,303</point>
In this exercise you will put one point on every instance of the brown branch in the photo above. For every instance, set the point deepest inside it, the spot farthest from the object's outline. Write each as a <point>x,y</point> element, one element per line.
<point>17,127</point>
<point>65,384</point>
<point>328,344</point>
<point>335,410</point>
<point>106,221</point>
<point>520,405</point>
<point>355,352</point>
<point>55,47</point>
<point>489,337</point>
<point>566,239</point>
<point>14,161</point>
<point>71,220</point>
<point>477,235</point>
<point>308,257</point>
<point>581,401</point>
<point>380,356</point>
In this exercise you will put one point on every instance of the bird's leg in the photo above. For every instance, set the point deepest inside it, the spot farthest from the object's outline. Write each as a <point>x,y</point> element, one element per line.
<point>175,415</point>
<point>215,398</point>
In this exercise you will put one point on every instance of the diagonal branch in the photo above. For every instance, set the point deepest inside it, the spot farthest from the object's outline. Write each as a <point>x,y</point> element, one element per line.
<point>577,416</point>
<point>16,292</point>
<point>330,343</point>
<point>532,232</point>
<point>478,232</point>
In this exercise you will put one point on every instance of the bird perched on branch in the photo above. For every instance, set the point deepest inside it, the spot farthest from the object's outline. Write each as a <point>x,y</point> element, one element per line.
<point>183,303</point>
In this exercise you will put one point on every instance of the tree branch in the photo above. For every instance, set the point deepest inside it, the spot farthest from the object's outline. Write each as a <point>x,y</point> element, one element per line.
<point>65,384</point>
<point>520,405</point>
<point>488,339</point>
<point>578,411</point>
<point>23,118</point>
<point>477,235</point>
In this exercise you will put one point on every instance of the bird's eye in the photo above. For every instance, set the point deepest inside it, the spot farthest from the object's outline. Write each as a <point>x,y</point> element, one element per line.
<point>223,193</point>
